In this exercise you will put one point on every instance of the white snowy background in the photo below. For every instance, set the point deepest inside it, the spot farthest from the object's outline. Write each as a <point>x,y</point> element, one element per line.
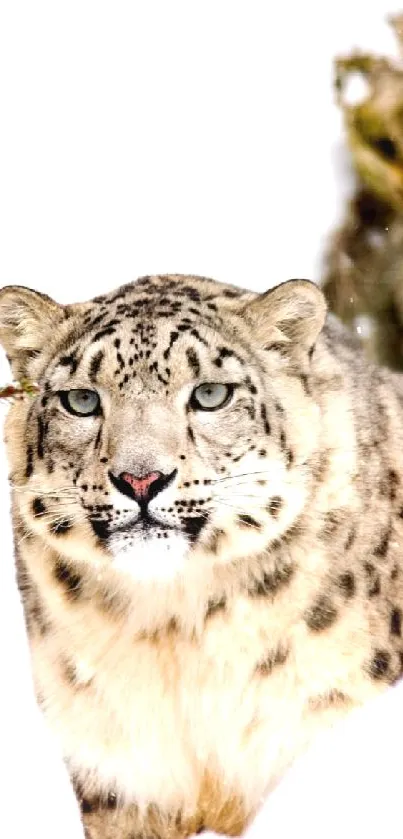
<point>201,137</point>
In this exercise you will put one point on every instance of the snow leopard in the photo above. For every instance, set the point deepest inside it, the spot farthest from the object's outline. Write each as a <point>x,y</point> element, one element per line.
<point>207,504</point>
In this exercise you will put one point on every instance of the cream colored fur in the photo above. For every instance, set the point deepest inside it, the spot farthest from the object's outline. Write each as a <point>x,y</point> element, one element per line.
<point>184,678</point>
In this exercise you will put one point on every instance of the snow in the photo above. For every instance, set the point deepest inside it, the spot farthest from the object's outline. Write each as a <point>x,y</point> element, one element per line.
<point>176,136</point>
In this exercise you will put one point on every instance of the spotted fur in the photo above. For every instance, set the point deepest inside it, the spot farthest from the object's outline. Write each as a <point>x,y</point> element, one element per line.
<point>185,651</point>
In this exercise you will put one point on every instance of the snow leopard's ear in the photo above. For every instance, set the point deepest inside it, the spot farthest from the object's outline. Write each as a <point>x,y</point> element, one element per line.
<point>28,321</point>
<point>288,317</point>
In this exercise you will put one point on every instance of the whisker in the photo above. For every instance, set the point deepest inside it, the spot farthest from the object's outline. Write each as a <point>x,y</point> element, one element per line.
<point>71,509</point>
<point>52,518</point>
<point>245,483</point>
<point>265,472</point>
<point>247,495</point>
<point>237,507</point>
<point>24,537</point>
<point>65,492</point>
<point>241,475</point>
<point>57,519</point>
<point>239,510</point>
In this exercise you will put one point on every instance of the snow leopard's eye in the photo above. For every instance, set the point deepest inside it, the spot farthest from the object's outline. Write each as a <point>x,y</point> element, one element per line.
<point>81,402</point>
<point>210,396</point>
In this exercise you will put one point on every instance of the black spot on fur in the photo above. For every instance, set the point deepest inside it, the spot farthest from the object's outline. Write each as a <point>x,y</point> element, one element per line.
<point>41,437</point>
<point>248,521</point>
<point>33,606</point>
<point>196,334</point>
<point>89,805</point>
<point>393,483</point>
<point>193,361</point>
<point>347,584</point>
<point>120,360</point>
<point>213,541</point>
<point>191,293</point>
<point>69,578</point>
<point>274,506</point>
<point>172,338</point>
<point>289,458</point>
<point>320,467</point>
<point>379,665</point>
<point>30,462</point>
<point>37,616</point>
<point>58,528</point>
<point>223,352</point>
<point>95,366</point>
<point>100,528</point>
<point>271,660</point>
<point>396,622</point>
<point>350,540</point>
<point>330,699</point>
<point>38,507</point>
<point>215,606</point>
<point>69,361</point>
<point>305,383</point>
<point>375,588</point>
<point>321,615</point>
<point>228,293</point>
<point>278,347</point>
<point>193,525</point>
<point>109,330</point>
<point>331,523</point>
<point>266,424</point>
<point>69,672</point>
<point>270,583</point>
<point>382,548</point>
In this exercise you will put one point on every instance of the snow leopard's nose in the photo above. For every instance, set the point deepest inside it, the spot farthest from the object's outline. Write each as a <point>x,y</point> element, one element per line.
<point>142,487</point>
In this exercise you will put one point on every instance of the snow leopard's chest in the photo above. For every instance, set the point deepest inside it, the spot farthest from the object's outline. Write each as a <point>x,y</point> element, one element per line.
<point>148,721</point>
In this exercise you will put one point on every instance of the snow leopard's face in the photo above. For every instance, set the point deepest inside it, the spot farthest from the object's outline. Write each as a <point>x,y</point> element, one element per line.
<point>170,423</point>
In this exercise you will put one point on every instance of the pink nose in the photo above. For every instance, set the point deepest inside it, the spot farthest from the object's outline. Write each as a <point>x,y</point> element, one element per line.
<point>140,485</point>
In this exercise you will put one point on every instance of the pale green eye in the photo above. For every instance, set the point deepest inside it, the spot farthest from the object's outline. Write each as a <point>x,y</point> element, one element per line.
<point>210,396</point>
<point>81,402</point>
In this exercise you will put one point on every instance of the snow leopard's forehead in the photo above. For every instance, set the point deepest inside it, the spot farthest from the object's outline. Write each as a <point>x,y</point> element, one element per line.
<point>139,325</point>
